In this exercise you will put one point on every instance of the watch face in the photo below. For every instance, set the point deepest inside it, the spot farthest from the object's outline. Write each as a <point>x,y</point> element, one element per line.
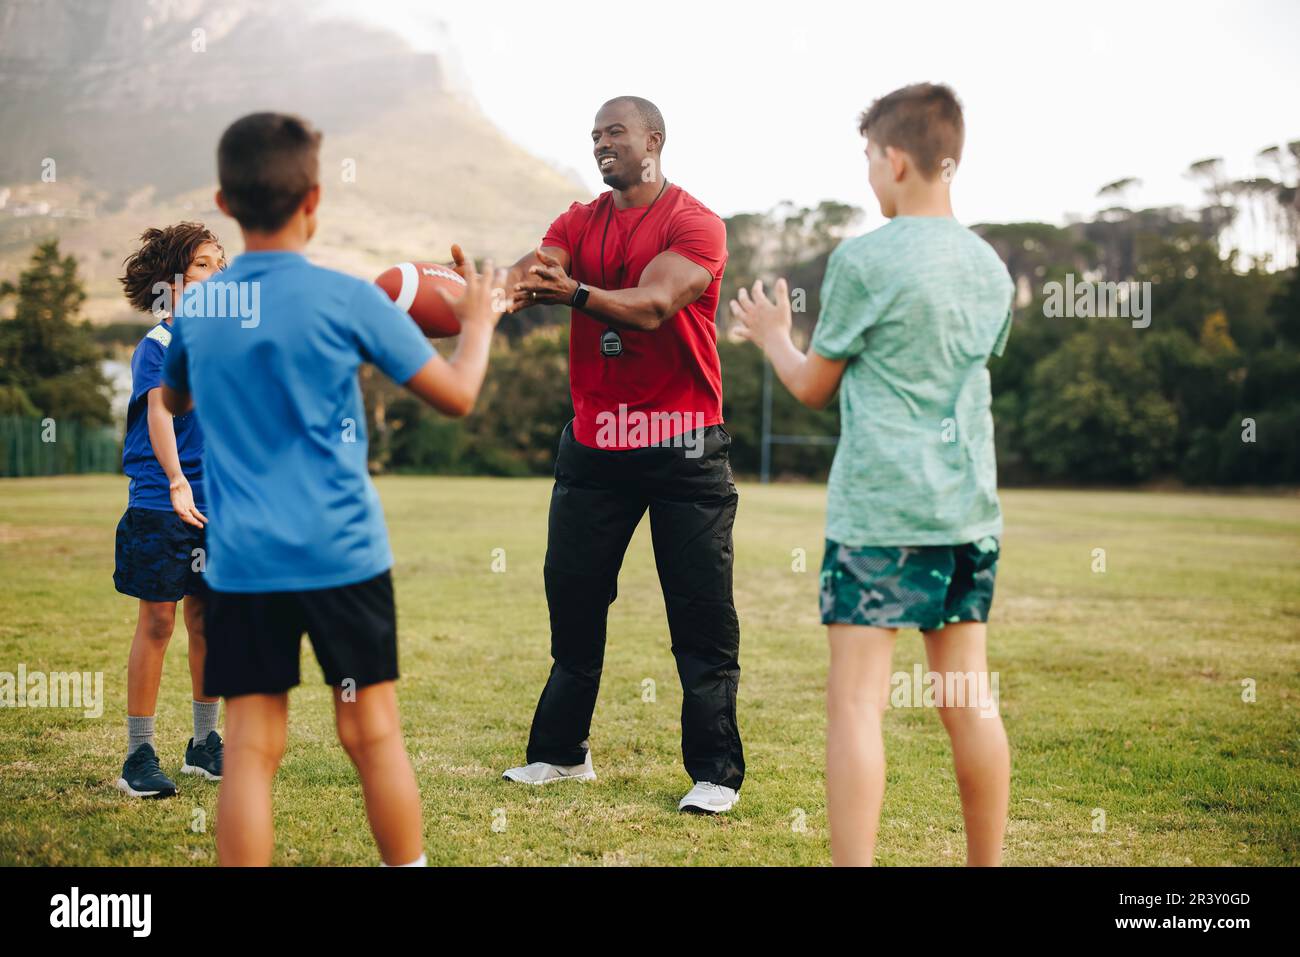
<point>611,343</point>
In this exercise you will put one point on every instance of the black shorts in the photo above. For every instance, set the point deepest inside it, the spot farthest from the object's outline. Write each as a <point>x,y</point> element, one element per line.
<point>158,557</point>
<point>254,640</point>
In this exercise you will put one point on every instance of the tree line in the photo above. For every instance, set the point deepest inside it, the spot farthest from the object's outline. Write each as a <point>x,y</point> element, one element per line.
<point>1205,394</point>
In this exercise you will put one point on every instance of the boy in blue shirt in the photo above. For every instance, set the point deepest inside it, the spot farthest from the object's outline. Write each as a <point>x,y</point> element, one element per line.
<point>910,315</point>
<point>160,540</point>
<point>270,352</point>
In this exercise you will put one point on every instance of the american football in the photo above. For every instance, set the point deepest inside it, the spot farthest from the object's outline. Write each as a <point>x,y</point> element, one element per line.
<point>414,288</point>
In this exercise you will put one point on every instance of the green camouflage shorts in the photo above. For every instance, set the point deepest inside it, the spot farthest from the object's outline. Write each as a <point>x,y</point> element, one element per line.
<point>922,587</point>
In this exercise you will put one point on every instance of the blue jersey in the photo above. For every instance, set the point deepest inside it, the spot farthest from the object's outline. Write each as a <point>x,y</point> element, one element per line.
<point>291,504</point>
<point>149,485</point>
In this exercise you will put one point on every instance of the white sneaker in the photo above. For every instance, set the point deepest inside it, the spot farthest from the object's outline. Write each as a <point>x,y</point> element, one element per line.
<point>539,772</point>
<point>709,798</point>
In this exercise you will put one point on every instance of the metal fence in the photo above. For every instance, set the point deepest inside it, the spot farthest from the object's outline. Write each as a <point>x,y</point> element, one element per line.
<point>31,446</point>
<point>768,439</point>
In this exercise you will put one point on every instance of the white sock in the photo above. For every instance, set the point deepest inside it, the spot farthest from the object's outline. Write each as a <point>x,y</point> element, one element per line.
<point>421,861</point>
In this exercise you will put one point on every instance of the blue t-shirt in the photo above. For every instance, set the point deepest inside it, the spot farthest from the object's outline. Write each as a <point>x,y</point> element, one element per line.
<point>291,504</point>
<point>149,485</point>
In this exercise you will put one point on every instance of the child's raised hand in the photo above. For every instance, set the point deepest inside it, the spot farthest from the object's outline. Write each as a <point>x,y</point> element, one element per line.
<point>484,299</point>
<point>458,259</point>
<point>758,319</point>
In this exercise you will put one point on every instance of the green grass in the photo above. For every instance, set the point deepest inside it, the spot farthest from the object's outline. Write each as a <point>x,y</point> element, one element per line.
<point>1121,691</point>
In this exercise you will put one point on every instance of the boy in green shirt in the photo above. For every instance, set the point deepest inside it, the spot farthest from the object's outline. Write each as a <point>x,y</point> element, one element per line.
<point>910,315</point>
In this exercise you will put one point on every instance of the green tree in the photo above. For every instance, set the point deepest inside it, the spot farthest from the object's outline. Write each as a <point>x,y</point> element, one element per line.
<point>1285,309</point>
<point>47,356</point>
<point>1095,413</point>
<point>515,428</point>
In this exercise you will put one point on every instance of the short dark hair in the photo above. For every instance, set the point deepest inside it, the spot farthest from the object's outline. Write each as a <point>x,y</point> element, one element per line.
<point>924,120</point>
<point>648,113</point>
<point>163,255</point>
<point>266,164</point>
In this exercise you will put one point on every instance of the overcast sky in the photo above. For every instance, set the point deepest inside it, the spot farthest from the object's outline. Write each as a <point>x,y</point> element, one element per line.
<point>1059,98</point>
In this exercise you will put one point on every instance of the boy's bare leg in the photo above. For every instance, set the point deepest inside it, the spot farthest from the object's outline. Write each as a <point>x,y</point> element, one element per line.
<point>980,754</point>
<point>256,727</point>
<point>153,631</point>
<point>193,610</point>
<point>857,693</point>
<point>371,733</point>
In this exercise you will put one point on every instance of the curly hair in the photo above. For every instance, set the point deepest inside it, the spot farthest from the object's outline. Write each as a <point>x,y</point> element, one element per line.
<point>163,255</point>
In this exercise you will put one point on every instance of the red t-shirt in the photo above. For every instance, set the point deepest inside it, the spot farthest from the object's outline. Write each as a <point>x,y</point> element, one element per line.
<point>670,379</point>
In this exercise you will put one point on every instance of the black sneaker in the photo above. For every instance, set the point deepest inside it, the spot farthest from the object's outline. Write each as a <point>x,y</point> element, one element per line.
<point>204,759</point>
<point>142,777</point>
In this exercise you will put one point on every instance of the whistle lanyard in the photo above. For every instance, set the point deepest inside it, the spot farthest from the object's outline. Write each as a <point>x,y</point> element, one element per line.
<point>609,214</point>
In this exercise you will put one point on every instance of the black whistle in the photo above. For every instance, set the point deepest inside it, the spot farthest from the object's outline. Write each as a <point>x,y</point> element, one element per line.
<point>611,344</point>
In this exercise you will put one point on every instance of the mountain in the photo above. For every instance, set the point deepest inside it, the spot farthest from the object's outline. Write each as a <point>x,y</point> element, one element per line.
<point>129,97</point>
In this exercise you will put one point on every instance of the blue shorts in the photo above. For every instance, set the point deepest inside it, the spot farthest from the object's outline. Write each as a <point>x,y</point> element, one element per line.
<point>159,557</point>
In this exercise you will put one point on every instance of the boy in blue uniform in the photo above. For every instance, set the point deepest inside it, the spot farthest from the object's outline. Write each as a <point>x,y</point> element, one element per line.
<point>270,352</point>
<point>910,315</point>
<point>160,540</point>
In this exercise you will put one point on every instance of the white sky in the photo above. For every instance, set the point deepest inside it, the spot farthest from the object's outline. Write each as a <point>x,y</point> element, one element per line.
<point>1059,98</point>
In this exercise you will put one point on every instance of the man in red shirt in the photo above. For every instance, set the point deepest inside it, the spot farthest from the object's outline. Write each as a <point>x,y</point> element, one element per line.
<point>640,266</point>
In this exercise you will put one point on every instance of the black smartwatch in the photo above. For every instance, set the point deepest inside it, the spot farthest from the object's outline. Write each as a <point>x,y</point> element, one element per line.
<point>579,297</point>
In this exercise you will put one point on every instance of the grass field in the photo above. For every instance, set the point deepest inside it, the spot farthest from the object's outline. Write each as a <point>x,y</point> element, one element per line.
<point>1121,691</point>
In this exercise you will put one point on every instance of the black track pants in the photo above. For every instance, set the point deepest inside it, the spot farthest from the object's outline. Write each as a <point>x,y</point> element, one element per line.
<point>597,503</point>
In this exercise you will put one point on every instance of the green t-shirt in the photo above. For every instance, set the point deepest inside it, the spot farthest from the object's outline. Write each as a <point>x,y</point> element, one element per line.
<point>916,307</point>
